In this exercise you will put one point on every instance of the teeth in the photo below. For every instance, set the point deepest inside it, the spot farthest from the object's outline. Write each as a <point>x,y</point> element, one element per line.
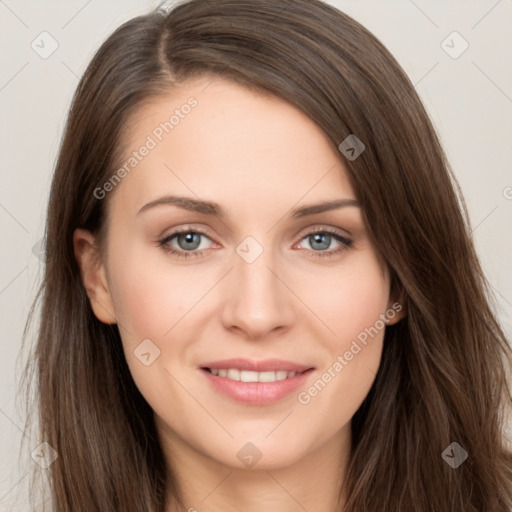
<point>250,376</point>
<point>267,377</point>
<point>233,374</point>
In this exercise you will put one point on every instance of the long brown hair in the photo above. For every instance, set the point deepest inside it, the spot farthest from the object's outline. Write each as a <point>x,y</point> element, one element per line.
<point>443,374</point>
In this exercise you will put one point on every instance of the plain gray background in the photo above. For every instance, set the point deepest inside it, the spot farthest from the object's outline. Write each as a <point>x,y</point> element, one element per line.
<point>468,97</point>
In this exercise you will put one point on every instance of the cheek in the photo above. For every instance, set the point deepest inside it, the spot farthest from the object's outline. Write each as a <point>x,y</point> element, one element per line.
<point>348,299</point>
<point>150,295</point>
<point>352,303</point>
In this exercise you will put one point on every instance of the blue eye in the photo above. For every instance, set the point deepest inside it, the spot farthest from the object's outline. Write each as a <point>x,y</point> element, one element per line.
<point>189,241</point>
<point>322,240</point>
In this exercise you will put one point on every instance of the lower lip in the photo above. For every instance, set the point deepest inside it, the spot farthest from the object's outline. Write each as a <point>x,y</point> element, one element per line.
<point>256,393</point>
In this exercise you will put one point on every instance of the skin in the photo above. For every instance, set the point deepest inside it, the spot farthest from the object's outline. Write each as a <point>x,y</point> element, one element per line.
<point>258,157</point>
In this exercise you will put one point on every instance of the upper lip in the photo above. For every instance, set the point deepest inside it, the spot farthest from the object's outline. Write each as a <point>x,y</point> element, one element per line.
<point>257,366</point>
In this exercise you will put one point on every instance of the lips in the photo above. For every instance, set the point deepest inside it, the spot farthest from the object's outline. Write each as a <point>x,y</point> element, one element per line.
<point>255,382</point>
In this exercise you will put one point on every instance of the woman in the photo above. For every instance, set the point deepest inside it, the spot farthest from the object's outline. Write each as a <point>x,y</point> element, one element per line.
<point>329,324</point>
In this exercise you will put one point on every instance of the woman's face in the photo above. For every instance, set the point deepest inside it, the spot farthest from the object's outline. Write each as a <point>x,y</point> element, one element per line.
<point>268,284</point>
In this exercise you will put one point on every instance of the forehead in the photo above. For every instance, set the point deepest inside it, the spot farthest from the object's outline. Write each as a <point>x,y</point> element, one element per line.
<point>216,139</point>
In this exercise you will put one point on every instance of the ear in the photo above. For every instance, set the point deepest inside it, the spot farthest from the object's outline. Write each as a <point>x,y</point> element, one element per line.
<point>92,271</point>
<point>396,307</point>
<point>395,312</point>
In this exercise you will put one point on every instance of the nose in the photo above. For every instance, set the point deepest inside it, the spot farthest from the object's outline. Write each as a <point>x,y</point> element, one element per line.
<point>258,300</point>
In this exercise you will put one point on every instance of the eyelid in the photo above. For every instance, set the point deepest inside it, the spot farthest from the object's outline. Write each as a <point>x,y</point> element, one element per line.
<point>323,228</point>
<point>185,228</point>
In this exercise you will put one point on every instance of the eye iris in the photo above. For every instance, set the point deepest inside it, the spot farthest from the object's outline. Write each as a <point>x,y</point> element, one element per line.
<point>189,239</point>
<point>317,238</point>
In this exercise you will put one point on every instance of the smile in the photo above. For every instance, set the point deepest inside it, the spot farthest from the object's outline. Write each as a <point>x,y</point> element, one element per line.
<point>255,382</point>
<point>252,376</point>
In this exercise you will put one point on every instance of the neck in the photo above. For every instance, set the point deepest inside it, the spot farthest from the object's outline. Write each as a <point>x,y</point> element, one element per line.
<point>310,483</point>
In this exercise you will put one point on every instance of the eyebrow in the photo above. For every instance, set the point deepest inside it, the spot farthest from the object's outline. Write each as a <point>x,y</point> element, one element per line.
<point>214,209</point>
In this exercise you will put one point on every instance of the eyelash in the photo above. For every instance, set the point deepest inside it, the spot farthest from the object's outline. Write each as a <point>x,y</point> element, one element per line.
<point>163,243</point>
